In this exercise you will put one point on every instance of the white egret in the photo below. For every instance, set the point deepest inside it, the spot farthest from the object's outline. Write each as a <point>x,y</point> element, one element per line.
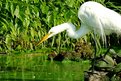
<point>94,18</point>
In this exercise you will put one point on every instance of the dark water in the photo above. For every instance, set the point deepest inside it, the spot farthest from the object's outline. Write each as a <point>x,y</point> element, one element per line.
<point>36,68</point>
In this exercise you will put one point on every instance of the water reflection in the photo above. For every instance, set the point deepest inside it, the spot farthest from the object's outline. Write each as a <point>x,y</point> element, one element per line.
<point>38,69</point>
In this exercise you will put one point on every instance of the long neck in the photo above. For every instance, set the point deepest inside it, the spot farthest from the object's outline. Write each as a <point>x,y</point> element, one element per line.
<point>71,30</point>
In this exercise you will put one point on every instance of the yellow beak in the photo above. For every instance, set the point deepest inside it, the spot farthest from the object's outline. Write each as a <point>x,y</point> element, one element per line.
<point>43,39</point>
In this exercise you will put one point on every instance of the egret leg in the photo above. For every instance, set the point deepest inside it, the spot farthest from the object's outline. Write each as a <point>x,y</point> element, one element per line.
<point>102,57</point>
<point>107,51</point>
<point>93,61</point>
<point>95,52</point>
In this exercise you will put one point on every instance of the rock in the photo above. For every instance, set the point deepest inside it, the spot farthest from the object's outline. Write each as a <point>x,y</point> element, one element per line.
<point>96,76</point>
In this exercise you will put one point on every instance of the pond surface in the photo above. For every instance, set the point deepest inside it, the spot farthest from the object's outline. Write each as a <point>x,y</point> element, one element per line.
<point>35,67</point>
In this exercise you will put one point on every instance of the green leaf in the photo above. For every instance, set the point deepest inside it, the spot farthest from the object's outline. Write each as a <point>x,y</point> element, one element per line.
<point>12,9</point>
<point>16,12</point>
<point>44,8</point>
<point>8,41</point>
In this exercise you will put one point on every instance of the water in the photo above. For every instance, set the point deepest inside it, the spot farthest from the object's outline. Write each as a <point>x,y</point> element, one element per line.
<point>35,67</point>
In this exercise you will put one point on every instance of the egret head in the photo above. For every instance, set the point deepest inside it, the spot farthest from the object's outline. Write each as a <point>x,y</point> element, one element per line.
<point>53,31</point>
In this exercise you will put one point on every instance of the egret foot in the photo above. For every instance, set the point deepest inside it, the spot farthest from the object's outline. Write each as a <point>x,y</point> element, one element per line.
<point>97,59</point>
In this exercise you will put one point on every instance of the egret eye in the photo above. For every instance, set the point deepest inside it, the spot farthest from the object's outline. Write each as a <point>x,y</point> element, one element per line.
<point>50,32</point>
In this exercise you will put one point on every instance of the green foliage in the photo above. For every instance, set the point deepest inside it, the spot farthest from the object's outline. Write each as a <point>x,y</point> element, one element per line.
<point>24,22</point>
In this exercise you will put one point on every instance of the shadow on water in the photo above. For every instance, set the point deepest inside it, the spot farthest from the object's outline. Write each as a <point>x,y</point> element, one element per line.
<point>35,67</point>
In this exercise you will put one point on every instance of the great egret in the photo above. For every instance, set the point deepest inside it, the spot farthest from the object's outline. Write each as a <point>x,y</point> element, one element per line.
<point>94,18</point>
